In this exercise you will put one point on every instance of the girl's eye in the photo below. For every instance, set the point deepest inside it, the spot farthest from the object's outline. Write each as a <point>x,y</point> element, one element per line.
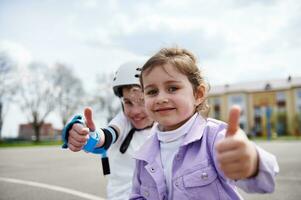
<point>172,89</point>
<point>151,92</point>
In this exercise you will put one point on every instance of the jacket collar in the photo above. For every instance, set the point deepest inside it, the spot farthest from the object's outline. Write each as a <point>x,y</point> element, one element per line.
<point>196,130</point>
<point>151,149</point>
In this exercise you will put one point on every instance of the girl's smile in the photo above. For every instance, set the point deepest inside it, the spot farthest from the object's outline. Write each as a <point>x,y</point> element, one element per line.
<point>164,110</point>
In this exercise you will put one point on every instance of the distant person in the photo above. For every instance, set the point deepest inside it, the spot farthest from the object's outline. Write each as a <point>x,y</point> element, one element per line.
<point>190,156</point>
<point>125,134</point>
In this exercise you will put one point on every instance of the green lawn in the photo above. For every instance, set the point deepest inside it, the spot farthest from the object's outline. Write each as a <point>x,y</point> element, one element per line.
<point>278,138</point>
<point>20,143</point>
<point>16,143</point>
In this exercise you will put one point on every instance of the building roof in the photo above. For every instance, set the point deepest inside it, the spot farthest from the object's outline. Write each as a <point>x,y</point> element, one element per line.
<point>256,86</point>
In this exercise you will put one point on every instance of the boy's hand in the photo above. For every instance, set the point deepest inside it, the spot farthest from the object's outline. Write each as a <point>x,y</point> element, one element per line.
<point>79,134</point>
<point>237,156</point>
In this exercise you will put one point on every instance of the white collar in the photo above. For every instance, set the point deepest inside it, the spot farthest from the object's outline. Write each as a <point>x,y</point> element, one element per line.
<point>170,136</point>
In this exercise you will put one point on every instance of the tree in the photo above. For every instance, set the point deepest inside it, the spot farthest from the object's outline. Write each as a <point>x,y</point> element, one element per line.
<point>71,92</point>
<point>38,95</point>
<point>8,86</point>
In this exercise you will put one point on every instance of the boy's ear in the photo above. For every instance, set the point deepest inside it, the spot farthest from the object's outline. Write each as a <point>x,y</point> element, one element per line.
<point>199,94</point>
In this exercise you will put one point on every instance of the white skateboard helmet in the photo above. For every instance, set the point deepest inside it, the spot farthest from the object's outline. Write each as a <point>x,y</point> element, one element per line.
<point>127,74</point>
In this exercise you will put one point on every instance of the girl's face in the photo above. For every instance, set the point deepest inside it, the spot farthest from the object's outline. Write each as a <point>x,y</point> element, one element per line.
<point>169,96</point>
<point>134,109</point>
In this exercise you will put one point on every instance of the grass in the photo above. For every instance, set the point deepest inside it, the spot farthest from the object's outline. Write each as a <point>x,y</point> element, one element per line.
<point>22,143</point>
<point>278,138</point>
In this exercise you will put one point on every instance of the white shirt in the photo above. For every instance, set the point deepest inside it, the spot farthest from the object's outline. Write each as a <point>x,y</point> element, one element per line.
<point>170,142</point>
<point>123,165</point>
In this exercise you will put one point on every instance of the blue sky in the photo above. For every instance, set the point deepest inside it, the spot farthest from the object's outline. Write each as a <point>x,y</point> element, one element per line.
<point>234,41</point>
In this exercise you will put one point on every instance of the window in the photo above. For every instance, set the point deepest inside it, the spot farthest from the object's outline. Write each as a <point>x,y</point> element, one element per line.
<point>236,100</point>
<point>299,94</point>
<point>216,101</point>
<point>257,111</point>
<point>280,97</point>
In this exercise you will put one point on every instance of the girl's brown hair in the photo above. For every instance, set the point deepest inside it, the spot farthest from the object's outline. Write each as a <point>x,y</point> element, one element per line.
<point>185,62</point>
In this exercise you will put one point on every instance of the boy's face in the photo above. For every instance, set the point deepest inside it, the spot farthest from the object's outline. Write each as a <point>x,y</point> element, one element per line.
<point>134,109</point>
<point>169,96</point>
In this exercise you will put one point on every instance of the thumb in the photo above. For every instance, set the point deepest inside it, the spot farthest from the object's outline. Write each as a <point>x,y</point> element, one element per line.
<point>233,123</point>
<point>88,112</point>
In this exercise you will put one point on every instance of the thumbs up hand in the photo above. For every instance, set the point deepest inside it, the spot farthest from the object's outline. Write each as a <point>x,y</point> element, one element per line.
<point>79,133</point>
<point>233,123</point>
<point>237,156</point>
<point>88,112</point>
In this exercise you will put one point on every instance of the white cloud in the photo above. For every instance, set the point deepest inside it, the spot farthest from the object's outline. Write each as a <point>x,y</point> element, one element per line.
<point>17,52</point>
<point>223,34</point>
<point>236,40</point>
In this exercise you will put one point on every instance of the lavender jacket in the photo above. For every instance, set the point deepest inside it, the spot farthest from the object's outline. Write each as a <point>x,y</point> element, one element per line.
<point>195,172</point>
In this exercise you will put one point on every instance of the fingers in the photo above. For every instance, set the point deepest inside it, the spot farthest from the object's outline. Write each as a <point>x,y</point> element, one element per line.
<point>88,112</point>
<point>73,148</point>
<point>237,170</point>
<point>233,123</point>
<point>232,143</point>
<point>235,173</point>
<point>228,157</point>
<point>78,129</point>
<point>234,164</point>
<point>78,137</point>
<point>237,156</point>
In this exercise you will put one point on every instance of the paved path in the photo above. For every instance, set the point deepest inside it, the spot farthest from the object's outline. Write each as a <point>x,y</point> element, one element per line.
<point>49,173</point>
<point>288,182</point>
<point>52,173</point>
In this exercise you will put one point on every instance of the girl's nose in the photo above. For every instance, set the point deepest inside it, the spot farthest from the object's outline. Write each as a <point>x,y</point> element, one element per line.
<point>161,99</point>
<point>165,100</point>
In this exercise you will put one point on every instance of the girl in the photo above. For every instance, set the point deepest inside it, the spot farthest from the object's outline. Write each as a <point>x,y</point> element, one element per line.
<point>190,156</point>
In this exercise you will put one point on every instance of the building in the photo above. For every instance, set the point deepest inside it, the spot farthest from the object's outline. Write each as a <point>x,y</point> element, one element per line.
<point>47,132</point>
<point>269,107</point>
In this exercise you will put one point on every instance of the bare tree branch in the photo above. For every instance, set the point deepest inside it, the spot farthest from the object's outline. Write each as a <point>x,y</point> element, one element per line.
<point>38,95</point>
<point>104,99</point>
<point>71,93</point>
<point>8,86</point>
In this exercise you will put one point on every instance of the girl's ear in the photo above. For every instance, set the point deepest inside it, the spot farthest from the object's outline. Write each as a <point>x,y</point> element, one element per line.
<point>199,94</point>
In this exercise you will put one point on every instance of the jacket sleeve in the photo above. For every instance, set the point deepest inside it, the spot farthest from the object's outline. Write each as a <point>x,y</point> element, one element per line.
<point>135,194</point>
<point>264,181</point>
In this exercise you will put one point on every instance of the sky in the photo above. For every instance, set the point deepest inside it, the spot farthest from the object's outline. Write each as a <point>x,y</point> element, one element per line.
<point>234,40</point>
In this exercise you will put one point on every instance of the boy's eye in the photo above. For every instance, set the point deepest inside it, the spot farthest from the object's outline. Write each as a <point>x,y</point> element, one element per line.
<point>128,103</point>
